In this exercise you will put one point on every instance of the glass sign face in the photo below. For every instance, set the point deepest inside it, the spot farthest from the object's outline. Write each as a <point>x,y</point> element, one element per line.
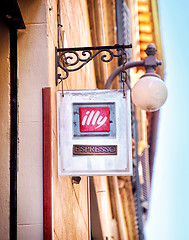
<point>94,119</point>
<point>94,133</point>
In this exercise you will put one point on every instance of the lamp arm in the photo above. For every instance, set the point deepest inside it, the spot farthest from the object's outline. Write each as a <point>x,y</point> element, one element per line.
<point>119,69</point>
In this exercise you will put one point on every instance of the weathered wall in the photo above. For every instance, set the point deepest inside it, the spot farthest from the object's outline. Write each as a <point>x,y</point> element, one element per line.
<point>104,207</point>
<point>70,206</point>
<point>103,28</point>
<point>4,132</point>
<point>32,77</point>
<point>36,69</point>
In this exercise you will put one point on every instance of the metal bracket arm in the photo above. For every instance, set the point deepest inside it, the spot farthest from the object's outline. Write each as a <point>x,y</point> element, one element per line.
<point>73,59</point>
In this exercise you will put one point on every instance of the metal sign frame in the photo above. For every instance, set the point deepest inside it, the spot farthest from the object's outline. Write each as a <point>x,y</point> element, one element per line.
<point>94,153</point>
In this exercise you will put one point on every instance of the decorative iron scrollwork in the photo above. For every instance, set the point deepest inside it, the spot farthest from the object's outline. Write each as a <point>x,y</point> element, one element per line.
<point>73,59</point>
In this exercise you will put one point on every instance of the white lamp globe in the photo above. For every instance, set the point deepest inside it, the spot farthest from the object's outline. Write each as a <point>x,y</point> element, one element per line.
<point>149,93</point>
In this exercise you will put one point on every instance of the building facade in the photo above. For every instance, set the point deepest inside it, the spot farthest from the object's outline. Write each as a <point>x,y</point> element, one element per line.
<point>37,203</point>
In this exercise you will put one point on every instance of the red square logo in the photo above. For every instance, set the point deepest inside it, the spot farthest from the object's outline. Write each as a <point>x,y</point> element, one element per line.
<point>94,119</point>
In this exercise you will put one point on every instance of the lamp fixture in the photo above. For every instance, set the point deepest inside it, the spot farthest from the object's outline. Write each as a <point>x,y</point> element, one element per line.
<point>149,93</point>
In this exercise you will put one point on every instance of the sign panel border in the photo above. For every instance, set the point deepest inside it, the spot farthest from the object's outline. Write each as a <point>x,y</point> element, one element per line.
<point>69,164</point>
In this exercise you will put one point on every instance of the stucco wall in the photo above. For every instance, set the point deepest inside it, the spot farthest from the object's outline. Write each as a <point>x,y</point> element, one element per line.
<point>4,132</point>
<point>70,204</point>
<point>36,69</point>
<point>32,77</point>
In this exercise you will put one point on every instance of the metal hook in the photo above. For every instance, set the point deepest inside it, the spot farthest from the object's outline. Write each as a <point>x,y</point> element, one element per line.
<point>62,90</point>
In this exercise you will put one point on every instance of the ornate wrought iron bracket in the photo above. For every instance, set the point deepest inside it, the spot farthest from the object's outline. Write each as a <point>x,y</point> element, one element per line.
<point>73,59</point>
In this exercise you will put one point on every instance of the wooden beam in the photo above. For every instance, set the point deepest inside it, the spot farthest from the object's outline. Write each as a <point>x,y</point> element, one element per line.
<point>47,164</point>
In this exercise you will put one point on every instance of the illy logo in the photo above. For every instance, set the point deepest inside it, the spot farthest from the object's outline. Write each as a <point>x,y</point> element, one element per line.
<point>94,119</point>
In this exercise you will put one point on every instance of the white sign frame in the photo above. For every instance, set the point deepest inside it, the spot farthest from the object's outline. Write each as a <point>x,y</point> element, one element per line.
<point>92,165</point>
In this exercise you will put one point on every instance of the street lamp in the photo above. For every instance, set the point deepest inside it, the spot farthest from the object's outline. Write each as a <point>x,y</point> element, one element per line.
<point>149,93</point>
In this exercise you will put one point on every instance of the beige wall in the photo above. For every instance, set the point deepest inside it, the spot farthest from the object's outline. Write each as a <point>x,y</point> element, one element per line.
<point>32,77</point>
<point>36,69</point>
<point>4,132</point>
<point>70,203</point>
<point>104,207</point>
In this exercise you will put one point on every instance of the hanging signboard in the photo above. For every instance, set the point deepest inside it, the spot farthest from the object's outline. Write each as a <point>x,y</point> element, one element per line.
<point>94,133</point>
